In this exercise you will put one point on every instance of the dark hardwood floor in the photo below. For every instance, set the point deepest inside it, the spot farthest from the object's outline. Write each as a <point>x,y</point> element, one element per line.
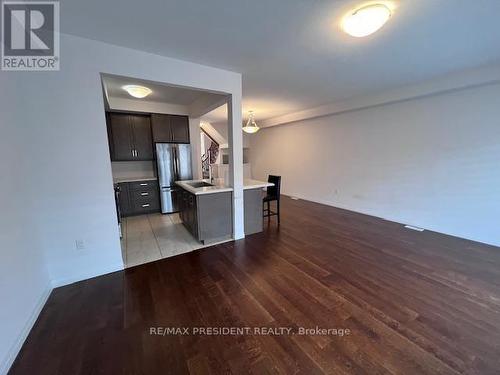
<point>415,303</point>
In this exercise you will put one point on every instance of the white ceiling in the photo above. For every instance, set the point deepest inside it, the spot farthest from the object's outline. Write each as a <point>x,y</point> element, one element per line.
<point>291,52</point>
<point>217,115</point>
<point>164,98</point>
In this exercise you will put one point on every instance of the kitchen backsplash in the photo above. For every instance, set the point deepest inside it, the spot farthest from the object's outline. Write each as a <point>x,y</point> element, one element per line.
<point>134,169</point>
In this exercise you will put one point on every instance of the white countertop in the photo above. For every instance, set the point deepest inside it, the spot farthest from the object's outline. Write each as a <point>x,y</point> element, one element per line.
<point>133,179</point>
<point>247,184</point>
<point>203,190</point>
<point>255,184</point>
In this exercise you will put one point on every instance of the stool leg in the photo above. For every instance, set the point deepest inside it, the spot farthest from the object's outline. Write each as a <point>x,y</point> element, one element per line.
<point>278,209</point>
<point>269,210</point>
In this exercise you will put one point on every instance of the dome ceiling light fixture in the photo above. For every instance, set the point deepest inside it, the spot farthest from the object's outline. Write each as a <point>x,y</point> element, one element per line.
<point>137,91</point>
<point>366,20</point>
<point>251,126</point>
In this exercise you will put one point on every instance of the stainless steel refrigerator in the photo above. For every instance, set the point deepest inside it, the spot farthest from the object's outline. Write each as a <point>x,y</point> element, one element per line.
<point>174,164</point>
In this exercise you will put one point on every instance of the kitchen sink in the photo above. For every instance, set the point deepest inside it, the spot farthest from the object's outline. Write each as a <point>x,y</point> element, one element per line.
<point>199,184</point>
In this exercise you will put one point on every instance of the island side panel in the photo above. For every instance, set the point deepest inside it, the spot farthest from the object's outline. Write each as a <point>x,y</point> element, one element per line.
<point>215,216</point>
<point>253,211</point>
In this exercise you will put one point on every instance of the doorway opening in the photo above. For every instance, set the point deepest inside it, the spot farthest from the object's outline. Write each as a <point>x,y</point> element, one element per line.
<point>154,141</point>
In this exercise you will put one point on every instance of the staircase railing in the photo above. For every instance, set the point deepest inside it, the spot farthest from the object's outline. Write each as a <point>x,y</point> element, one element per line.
<point>210,156</point>
<point>205,165</point>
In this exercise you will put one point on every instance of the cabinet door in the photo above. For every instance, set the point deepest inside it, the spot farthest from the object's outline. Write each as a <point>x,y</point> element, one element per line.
<point>185,207</point>
<point>181,204</point>
<point>192,213</point>
<point>121,137</point>
<point>124,202</point>
<point>194,228</point>
<point>161,128</point>
<point>143,141</point>
<point>180,128</point>
<point>214,215</point>
<point>142,203</point>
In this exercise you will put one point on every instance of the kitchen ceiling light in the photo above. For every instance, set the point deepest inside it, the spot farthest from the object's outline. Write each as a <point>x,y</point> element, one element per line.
<point>366,20</point>
<point>251,126</point>
<point>137,91</point>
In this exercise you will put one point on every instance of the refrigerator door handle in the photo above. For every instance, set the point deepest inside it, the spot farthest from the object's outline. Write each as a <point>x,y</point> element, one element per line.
<point>176,165</point>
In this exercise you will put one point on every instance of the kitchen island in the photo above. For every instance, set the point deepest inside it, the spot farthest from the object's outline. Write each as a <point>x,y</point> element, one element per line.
<point>206,209</point>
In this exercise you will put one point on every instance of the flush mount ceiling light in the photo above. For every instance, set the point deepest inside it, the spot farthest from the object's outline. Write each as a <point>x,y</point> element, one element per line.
<point>366,20</point>
<point>251,126</point>
<point>137,91</point>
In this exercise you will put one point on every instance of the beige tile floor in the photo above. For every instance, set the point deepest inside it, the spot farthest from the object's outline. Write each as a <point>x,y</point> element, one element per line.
<point>147,238</point>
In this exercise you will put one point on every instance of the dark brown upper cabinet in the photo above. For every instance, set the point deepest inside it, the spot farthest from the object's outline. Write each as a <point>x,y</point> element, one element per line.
<point>161,128</point>
<point>143,139</point>
<point>170,128</point>
<point>180,128</point>
<point>120,137</point>
<point>130,137</point>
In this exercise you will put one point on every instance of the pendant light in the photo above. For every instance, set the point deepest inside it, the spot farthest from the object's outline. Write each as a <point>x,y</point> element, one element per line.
<point>251,127</point>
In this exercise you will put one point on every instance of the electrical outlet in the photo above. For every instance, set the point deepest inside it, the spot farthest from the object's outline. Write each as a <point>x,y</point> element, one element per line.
<point>80,244</point>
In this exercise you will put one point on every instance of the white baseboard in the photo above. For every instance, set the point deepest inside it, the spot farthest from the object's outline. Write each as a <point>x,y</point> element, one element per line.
<point>16,347</point>
<point>56,283</point>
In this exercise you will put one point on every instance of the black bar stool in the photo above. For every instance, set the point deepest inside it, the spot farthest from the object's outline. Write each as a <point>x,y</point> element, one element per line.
<point>272,194</point>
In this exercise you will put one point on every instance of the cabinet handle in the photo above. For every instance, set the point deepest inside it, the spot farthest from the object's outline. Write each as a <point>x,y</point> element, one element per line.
<point>144,194</point>
<point>144,184</point>
<point>145,205</point>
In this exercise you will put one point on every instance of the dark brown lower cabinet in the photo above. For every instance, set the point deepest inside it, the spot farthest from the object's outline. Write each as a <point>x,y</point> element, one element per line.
<point>208,217</point>
<point>124,201</point>
<point>141,197</point>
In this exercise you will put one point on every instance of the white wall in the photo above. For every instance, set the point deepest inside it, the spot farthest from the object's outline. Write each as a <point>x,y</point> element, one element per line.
<point>432,162</point>
<point>66,175</point>
<point>24,279</point>
<point>222,129</point>
<point>194,133</point>
<point>72,170</point>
